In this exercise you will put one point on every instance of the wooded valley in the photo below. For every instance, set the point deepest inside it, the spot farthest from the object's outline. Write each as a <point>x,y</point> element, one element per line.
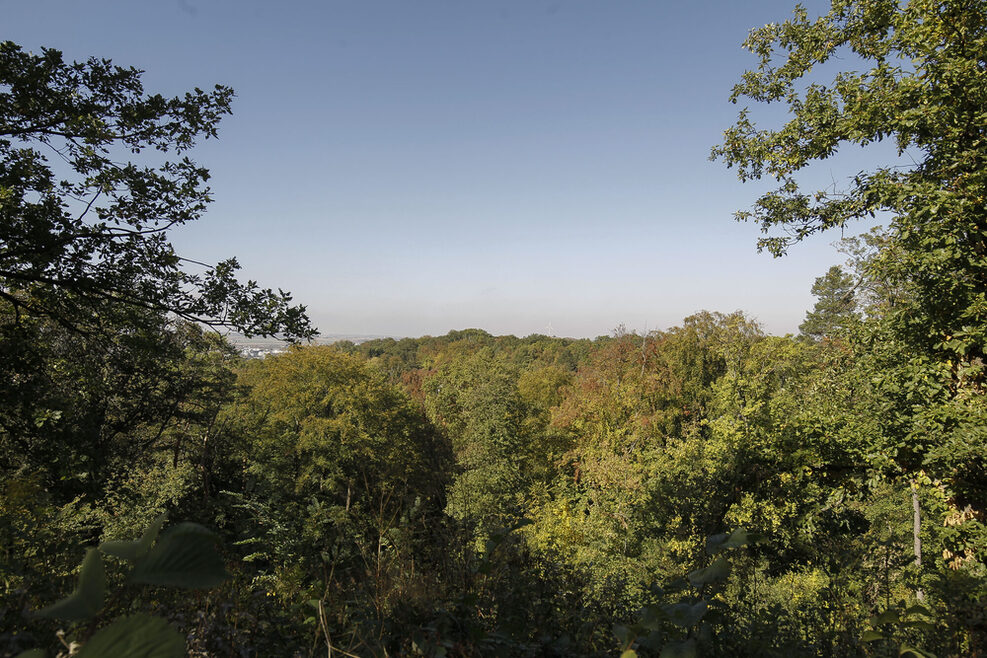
<point>704,490</point>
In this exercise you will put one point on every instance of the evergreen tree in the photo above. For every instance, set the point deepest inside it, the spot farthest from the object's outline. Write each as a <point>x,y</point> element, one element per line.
<point>836,305</point>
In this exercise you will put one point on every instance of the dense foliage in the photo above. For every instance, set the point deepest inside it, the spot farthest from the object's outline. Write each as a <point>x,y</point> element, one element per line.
<point>704,490</point>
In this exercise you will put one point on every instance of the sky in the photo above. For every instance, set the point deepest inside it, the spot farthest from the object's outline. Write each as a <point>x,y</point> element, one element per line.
<point>408,167</point>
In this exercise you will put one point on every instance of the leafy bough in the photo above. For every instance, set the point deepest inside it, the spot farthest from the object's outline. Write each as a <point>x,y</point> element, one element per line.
<point>692,615</point>
<point>182,556</point>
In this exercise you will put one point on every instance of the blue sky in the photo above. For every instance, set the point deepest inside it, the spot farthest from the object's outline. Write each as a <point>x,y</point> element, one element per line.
<point>410,167</point>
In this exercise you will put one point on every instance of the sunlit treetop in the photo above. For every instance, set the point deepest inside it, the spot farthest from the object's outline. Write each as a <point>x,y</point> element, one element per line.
<point>913,72</point>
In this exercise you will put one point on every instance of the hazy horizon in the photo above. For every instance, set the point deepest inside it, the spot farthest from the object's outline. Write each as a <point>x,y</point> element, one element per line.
<point>521,167</point>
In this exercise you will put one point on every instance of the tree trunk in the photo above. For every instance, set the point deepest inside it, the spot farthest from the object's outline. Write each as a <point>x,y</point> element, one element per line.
<point>917,536</point>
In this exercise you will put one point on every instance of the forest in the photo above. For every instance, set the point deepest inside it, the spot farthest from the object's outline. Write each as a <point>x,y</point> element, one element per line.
<point>704,490</point>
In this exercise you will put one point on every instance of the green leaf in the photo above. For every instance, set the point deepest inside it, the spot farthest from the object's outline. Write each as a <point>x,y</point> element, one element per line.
<point>679,649</point>
<point>650,617</point>
<point>871,636</point>
<point>714,543</point>
<point>912,652</point>
<point>716,572</point>
<point>920,624</point>
<point>138,636</point>
<point>629,653</point>
<point>523,523</point>
<point>87,599</point>
<point>738,538</point>
<point>676,585</point>
<point>889,616</point>
<point>623,634</point>
<point>185,556</point>
<point>653,641</point>
<point>134,550</point>
<point>31,653</point>
<point>918,610</point>
<point>685,614</point>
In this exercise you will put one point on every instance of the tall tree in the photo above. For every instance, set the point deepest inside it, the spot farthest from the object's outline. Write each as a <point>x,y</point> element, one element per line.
<point>923,84</point>
<point>476,402</point>
<point>914,72</point>
<point>836,304</point>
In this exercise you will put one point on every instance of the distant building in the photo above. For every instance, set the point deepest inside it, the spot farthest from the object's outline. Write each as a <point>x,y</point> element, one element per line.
<point>260,352</point>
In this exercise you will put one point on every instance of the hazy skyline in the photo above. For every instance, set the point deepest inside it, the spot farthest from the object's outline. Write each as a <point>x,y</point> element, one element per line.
<point>411,167</point>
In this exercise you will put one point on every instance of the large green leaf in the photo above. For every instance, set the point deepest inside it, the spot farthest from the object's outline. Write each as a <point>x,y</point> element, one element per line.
<point>185,556</point>
<point>714,543</point>
<point>918,610</point>
<point>87,599</point>
<point>716,572</point>
<point>912,652</point>
<point>685,614</point>
<point>741,537</point>
<point>889,616</point>
<point>651,617</point>
<point>138,636</point>
<point>31,653</point>
<point>134,550</point>
<point>736,539</point>
<point>623,634</point>
<point>920,624</point>
<point>679,649</point>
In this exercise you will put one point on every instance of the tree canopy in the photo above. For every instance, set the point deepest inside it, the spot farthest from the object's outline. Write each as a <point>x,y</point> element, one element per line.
<point>922,83</point>
<point>707,490</point>
<point>86,206</point>
<point>916,73</point>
